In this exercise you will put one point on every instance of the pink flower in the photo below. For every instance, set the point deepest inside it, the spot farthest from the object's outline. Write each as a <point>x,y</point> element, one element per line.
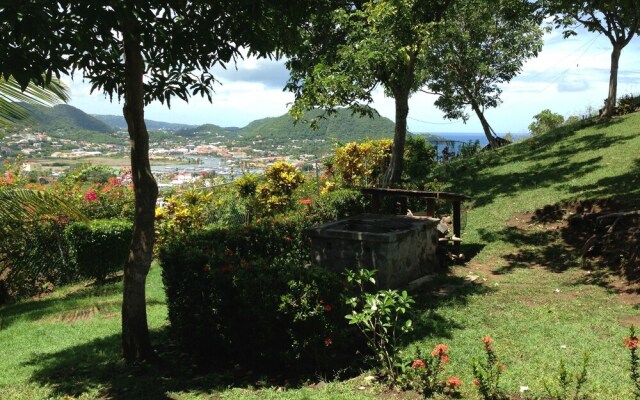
<point>328,342</point>
<point>305,201</point>
<point>418,364</point>
<point>91,196</point>
<point>327,308</point>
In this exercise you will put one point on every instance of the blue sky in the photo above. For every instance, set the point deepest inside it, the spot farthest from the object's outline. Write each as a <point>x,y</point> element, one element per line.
<point>569,77</point>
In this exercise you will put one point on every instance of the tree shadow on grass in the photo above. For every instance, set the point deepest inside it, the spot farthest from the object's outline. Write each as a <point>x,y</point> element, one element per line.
<point>444,291</point>
<point>97,366</point>
<point>544,248</point>
<point>34,310</point>
<point>510,184</point>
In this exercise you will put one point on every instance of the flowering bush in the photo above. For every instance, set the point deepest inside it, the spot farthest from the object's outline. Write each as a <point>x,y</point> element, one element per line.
<point>487,373</point>
<point>425,374</point>
<point>631,342</point>
<point>362,164</point>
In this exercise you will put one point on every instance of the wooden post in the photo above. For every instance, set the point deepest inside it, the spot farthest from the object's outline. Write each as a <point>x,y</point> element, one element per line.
<point>431,207</point>
<point>403,205</point>
<point>375,203</point>
<point>457,231</point>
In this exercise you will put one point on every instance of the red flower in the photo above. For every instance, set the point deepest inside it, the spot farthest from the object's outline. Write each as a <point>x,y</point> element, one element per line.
<point>487,340</point>
<point>476,382</point>
<point>454,382</point>
<point>305,201</point>
<point>327,308</point>
<point>229,252</point>
<point>631,342</point>
<point>501,367</point>
<point>439,350</point>
<point>444,358</point>
<point>328,341</point>
<point>418,364</point>
<point>91,196</point>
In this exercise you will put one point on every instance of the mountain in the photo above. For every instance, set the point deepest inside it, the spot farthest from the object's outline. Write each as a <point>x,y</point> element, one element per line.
<point>203,131</point>
<point>118,122</point>
<point>63,117</point>
<point>341,126</point>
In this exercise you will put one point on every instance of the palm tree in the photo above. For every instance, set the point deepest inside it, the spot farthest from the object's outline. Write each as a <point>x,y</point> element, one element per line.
<point>12,96</point>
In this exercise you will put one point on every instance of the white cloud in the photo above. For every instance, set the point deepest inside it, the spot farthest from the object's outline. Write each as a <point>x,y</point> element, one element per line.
<point>568,76</point>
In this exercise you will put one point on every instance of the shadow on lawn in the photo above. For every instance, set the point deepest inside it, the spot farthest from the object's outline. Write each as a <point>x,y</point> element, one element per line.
<point>550,153</point>
<point>35,310</point>
<point>544,248</point>
<point>85,368</point>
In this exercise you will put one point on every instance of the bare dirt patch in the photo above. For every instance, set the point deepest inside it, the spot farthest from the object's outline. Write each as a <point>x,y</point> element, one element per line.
<point>605,233</point>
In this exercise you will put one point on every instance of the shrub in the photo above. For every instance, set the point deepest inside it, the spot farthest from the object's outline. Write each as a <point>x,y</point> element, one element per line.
<point>545,121</point>
<point>362,164</point>
<point>282,179</point>
<point>100,247</point>
<point>628,104</point>
<point>339,204</point>
<point>419,158</point>
<point>242,296</point>
<point>33,258</point>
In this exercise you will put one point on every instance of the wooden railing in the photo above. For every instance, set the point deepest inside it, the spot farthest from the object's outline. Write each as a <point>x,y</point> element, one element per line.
<point>377,194</point>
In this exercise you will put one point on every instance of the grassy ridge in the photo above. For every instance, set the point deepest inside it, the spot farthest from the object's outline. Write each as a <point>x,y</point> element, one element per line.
<point>524,287</point>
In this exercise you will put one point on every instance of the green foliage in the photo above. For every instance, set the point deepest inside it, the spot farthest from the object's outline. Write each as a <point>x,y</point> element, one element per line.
<point>337,204</point>
<point>628,104</point>
<point>242,296</point>
<point>424,374</point>
<point>100,247</point>
<point>282,179</point>
<point>91,174</point>
<point>487,373</point>
<point>419,158</point>
<point>631,343</point>
<point>481,45</point>
<point>564,381</point>
<point>247,185</point>
<point>33,258</point>
<point>380,317</point>
<point>359,46</point>
<point>545,121</point>
<point>362,164</point>
<point>182,212</point>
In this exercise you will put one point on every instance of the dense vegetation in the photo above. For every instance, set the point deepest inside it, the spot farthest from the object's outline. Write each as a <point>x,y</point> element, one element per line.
<point>525,289</point>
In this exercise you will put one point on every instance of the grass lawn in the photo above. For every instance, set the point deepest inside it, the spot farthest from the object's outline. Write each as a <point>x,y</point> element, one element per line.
<point>523,285</point>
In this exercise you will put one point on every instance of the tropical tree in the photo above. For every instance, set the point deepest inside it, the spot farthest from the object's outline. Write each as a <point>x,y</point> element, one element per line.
<point>482,45</point>
<point>363,45</point>
<point>12,95</point>
<point>618,20</point>
<point>142,51</point>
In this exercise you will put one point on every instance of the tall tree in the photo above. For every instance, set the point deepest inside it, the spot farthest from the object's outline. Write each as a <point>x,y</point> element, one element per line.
<point>140,51</point>
<point>360,46</point>
<point>618,20</point>
<point>482,45</point>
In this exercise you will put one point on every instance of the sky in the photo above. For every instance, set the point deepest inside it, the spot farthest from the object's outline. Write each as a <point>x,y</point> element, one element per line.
<point>569,77</point>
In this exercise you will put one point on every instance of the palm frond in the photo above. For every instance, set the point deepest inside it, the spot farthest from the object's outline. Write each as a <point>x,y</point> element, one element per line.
<point>11,95</point>
<point>25,205</point>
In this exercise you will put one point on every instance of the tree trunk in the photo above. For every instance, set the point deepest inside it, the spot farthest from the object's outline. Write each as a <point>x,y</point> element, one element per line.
<point>610,103</point>
<point>485,125</point>
<point>394,171</point>
<point>136,344</point>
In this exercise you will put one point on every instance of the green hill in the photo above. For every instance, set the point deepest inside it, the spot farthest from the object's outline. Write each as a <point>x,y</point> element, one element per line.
<point>63,117</point>
<point>203,131</point>
<point>341,126</point>
<point>118,122</point>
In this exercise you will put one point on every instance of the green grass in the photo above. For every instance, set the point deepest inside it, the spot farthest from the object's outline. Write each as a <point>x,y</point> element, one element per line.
<point>530,293</point>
